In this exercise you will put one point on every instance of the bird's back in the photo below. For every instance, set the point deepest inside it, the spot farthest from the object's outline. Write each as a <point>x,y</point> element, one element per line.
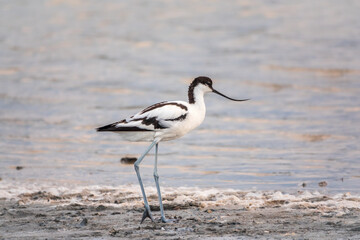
<point>161,120</point>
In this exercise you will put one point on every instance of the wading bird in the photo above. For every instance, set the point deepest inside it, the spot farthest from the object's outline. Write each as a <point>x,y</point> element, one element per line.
<point>164,121</point>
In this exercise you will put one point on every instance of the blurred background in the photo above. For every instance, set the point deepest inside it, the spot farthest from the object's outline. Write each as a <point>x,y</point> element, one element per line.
<point>67,67</point>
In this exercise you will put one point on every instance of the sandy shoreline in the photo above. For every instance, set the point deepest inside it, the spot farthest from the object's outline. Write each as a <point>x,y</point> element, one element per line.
<point>84,215</point>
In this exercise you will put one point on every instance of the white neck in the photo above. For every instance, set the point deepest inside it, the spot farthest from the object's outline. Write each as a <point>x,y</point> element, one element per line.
<point>199,96</point>
<point>198,109</point>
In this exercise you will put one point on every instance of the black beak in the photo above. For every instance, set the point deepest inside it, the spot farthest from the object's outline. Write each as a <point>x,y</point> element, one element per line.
<point>238,100</point>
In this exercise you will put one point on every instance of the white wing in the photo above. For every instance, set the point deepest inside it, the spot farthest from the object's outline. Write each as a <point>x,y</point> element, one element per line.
<point>156,117</point>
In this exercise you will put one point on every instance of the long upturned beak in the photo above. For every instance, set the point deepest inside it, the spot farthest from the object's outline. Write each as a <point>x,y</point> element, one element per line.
<point>238,100</point>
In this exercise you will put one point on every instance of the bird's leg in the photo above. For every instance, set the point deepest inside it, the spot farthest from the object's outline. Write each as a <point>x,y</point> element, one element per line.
<point>156,176</point>
<point>147,212</point>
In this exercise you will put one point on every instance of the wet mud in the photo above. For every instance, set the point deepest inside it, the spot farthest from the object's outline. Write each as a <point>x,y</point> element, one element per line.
<point>42,215</point>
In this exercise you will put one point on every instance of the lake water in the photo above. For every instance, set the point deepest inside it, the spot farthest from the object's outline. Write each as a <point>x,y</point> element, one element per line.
<point>67,67</point>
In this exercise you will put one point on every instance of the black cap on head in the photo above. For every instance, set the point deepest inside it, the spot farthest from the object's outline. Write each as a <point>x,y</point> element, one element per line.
<point>202,80</point>
<point>207,82</point>
<point>199,80</point>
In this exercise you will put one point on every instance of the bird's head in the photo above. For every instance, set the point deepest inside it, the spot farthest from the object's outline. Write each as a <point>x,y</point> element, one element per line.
<point>204,84</point>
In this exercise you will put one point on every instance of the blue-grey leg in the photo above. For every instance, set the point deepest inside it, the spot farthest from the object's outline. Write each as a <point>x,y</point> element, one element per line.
<point>156,176</point>
<point>147,212</point>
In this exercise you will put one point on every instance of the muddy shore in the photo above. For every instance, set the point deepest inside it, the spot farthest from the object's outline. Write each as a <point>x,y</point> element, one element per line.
<point>41,215</point>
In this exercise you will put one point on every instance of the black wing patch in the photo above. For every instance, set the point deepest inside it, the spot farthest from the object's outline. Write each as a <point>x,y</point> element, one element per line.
<point>112,128</point>
<point>161,104</point>
<point>180,118</point>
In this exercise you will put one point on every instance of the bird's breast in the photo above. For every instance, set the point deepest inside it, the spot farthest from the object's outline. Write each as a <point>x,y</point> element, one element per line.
<point>194,118</point>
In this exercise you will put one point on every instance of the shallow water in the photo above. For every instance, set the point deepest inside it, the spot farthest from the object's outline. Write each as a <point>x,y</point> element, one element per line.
<point>67,67</point>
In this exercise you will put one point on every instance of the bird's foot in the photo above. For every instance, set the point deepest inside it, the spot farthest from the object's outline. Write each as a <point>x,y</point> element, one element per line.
<point>147,214</point>
<point>165,220</point>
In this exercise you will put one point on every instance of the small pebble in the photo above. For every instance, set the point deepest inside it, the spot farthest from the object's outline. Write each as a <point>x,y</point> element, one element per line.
<point>322,184</point>
<point>115,213</point>
<point>100,208</point>
<point>84,222</point>
<point>128,160</point>
<point>113,232</point>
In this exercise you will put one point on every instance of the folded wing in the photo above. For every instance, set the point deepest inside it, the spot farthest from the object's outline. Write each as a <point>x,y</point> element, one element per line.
<point>156,117</point>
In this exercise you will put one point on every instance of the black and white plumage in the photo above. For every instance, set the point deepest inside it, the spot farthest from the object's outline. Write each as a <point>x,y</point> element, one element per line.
<point>165,121</point>
<point>153,122</point>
